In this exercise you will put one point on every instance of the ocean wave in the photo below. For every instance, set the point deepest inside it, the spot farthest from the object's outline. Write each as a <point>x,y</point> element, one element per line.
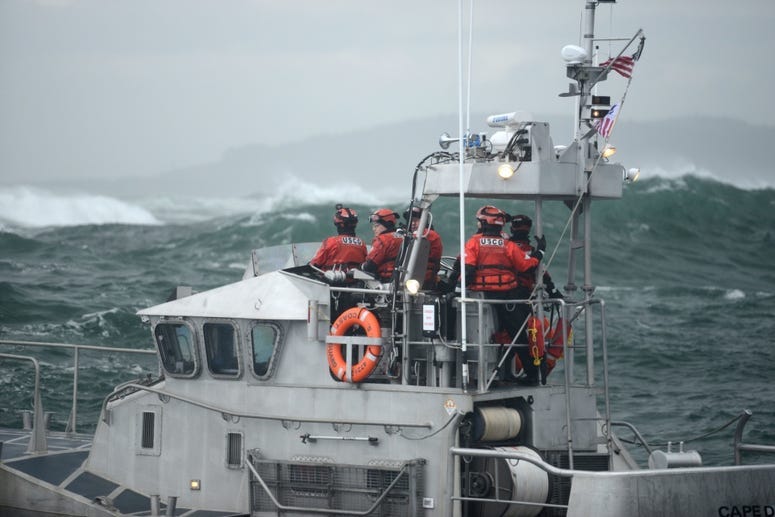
<point>677,173</point>
<point>291,193</point>
<point>298,191</point>
<point>32,207</point>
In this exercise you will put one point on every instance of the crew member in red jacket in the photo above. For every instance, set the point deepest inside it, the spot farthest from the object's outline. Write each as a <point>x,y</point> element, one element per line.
<point>521,225</point>
<point>492,264</point>
<point>344,250</point>
<point>381,260</point>
<point>436,247</point>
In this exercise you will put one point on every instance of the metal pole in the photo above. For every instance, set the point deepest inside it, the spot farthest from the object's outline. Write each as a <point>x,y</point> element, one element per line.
<point>461,199</point>
<point>744,416</point>
<point>74,409</point>
<point>588,288</point>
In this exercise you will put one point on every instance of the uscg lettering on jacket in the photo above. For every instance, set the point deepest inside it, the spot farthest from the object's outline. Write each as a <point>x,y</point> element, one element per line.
<point>352,240</point>
<point>754,510</point>
<point>491,241</point>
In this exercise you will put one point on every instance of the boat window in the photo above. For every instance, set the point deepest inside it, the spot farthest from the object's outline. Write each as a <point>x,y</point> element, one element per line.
<point>265,339</point>
<point>176,346</point>
<point>221,349</point>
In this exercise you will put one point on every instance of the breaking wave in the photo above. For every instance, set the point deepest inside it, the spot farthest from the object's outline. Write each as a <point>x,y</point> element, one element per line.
<point>31,207</point>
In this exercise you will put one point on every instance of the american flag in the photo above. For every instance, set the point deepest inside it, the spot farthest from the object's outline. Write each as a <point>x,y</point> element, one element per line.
<point>606,124</point>
<point>622,64</point>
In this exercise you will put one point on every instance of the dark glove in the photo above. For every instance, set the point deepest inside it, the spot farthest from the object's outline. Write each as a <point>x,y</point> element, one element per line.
<point>447,287</point>
<point>541,243</point>
<point>470,274</point>
<point>554,293</point>
<point>536,253</point>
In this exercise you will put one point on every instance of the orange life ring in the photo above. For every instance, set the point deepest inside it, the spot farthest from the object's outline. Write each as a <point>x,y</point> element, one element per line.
<point>366,320</point>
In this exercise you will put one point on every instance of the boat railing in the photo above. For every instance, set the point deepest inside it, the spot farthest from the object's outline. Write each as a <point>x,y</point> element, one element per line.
<point>37,443</point>
<point>740,446</point>
<point>497,488</point>
<point>72,420</point>
<point>234,414</point>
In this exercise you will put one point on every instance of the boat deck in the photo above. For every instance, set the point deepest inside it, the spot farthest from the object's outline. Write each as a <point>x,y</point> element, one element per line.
<point>63,468</point>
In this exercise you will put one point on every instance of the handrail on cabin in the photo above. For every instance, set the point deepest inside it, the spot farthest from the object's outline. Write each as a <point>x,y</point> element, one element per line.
<point>234,414</point>
<point>37,442</point>
<point>72,420</point>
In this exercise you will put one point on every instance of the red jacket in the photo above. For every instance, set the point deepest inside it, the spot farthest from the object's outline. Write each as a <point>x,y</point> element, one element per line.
<point>340,250</point>
<point>496,261</point>
<point>434,256</point>
<point>384,251</point>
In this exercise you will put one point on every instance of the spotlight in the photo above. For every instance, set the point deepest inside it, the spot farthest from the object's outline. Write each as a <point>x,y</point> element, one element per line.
<point>609,151</point>
<point>632,175</point>
<point>412,285</point>
<point>505,171</point>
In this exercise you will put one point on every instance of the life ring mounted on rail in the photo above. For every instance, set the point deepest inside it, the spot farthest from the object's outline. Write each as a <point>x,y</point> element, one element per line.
<point>367,321</point>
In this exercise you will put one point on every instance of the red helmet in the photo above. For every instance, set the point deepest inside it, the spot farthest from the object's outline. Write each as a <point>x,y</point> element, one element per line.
<point>521,223</point>
<point>491,215</point>
<point>345,216</point>
<point>385,217</point>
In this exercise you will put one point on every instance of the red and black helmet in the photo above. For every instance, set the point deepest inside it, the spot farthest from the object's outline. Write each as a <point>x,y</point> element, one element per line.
<point>345,216</point>
<point>385,217</point>
<point>491,215</point>
<point>521,223</point>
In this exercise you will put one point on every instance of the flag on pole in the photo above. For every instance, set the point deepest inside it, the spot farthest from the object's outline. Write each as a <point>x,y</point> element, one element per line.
<point>622,64</point>
<point>606,124</point>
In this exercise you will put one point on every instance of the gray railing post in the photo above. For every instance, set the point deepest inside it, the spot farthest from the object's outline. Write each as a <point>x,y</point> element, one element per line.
<point>37,442</point>
<point>73,418</point>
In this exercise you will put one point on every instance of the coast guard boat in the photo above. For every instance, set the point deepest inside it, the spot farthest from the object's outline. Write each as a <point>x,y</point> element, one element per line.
<point>273,398</point>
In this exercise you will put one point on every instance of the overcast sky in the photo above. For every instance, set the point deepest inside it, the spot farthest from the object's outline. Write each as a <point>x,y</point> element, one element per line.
<point>120,88</point>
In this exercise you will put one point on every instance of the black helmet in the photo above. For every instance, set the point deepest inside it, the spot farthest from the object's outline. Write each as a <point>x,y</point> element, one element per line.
<point>416,211</point>
<point>345,217</point>
<point>521,223</point>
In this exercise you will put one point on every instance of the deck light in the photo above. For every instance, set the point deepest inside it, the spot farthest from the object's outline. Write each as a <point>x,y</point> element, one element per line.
<point>632,175</point>
<point>505,171</point>
<point>195,484</point>
<point>412,285</point>
<point>609,151</point>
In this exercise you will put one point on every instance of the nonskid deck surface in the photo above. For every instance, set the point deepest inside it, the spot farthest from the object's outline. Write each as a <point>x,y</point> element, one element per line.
<point>63,466</point>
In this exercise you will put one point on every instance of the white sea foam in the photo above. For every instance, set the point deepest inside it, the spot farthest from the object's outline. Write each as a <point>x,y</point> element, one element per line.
<point>29,207</point>
<point>676,172</point>
<point>734,294</point>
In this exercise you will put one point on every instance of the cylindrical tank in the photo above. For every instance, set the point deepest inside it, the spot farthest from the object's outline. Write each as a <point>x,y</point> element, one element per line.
<point>513,480</point>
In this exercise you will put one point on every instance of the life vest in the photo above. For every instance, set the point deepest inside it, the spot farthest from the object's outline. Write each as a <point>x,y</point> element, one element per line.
<point>367,322</point>
<point>493,265</point>
<point>384,251</point>
<point>555,350</point>
<point>527,279</point>
<point>434,256</point>
<point>348,251</point>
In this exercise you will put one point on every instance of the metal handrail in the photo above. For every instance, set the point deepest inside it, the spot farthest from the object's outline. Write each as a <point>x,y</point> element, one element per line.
<point>305,509</point>
<point>740,446</point>
<point>230,413</point>
<point>73,418</point>
<point>37,442</point>
<point>488,453</point>
<point>587,303</point>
